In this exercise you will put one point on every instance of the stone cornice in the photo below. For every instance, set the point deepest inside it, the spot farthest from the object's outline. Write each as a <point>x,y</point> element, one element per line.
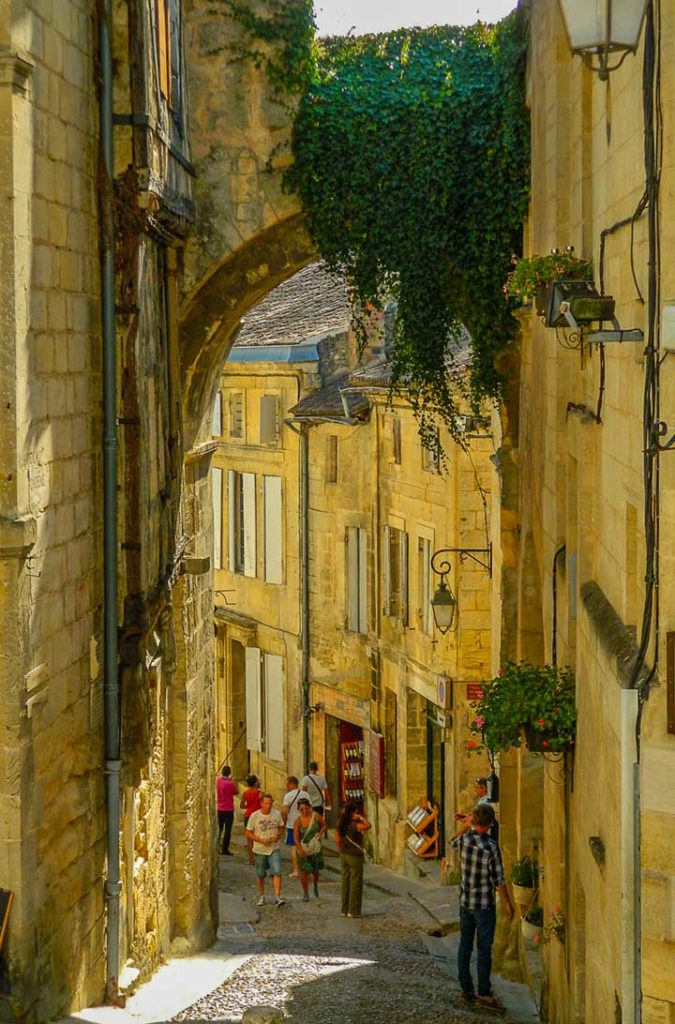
<point>16,69</point>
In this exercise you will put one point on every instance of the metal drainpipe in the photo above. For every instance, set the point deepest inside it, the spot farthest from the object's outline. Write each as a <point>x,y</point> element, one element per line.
<point>304,492</point>
<point>113,884</point>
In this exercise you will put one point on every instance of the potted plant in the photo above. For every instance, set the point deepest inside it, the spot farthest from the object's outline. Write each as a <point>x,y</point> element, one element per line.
<point>532,923</point>
<point>531,275</point>
<point>531,703</point>
<point>524,880</point>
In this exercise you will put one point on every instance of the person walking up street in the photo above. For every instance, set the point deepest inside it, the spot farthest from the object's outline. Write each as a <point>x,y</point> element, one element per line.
<point>265,829</point>
<point>316,787</point>
<point>349,838</point>
<point>249,803</point>
<point>226,790</point>
<point>482,877</point>
<point>309,830</point>
<point>289,812</point>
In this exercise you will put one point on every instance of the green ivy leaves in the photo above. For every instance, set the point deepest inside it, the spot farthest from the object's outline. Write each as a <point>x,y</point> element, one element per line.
<point>411,160</point>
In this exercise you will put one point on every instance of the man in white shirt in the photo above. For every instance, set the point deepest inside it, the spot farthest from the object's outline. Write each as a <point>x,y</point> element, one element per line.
<point>316,787</point>
<point>265,829</point>
<point>289,812</point>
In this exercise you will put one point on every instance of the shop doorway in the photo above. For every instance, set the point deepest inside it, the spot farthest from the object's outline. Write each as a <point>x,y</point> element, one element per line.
<point>345,772</point>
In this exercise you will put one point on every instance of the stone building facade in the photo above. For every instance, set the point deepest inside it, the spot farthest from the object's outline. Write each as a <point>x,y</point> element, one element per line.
<point>347,609</point>
<point>578,501</point>
<point>175,237</point>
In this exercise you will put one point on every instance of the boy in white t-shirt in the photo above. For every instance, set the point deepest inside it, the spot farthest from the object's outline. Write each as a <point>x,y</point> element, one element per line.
<point>265,829</point>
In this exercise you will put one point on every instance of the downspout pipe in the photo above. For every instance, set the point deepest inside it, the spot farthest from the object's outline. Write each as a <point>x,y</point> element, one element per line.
<point>304,499</point>
<point>302,430</point>
<point>111,689</point>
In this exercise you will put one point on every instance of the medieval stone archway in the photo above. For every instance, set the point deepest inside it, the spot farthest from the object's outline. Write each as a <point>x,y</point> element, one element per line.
<point>210,318</point>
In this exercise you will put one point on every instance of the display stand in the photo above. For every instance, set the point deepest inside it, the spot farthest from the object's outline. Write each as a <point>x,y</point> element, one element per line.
<point>423,820</point>
<point>352,778</point>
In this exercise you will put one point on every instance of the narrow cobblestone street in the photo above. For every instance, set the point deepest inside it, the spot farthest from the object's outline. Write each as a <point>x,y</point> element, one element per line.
<point>308,960</point>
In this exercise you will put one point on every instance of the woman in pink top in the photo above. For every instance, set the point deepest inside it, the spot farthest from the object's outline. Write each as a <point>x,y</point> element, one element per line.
<point>226,790</point>
<point>250,802</point>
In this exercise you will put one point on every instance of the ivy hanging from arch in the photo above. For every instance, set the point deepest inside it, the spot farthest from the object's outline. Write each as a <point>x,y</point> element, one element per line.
<point>411,160</point>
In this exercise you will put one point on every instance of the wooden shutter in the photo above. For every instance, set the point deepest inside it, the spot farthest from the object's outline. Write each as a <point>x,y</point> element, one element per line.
<point>352,540</point>
<point>217,423</point>
<point>217,495</point>
<point>274,707</point>
<point>273,530</point>
<point>269,419</point>
<point>253,702</point>
<point>248,483</point>
<point>164,48</point>
<point>386,570</point>
<point>231,520</point>
<point>363,581</point>
<point>332,459</point>
<point>237,415</point>
<point>403,578</point>
<point>397,441</point>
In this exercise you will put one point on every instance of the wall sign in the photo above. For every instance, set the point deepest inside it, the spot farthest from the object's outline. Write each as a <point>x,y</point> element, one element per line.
<point>474,692</point>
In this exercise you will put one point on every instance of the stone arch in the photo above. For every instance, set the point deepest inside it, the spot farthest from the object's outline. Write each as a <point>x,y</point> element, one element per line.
<point>211,316</point>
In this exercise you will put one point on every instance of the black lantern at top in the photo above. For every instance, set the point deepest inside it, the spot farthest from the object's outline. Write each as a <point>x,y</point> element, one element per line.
<point>598,29</point>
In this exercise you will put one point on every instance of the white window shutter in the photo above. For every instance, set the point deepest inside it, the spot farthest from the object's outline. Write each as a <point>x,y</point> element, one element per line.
<point>273,534</point>
<point>403,576</point>
<point>352,540</point>
<point>249,524</point>
<point>363,581</point>
<point>386,569</point>
<point>230,520</point>
<point>217,495</point>
<point>253,702</point>
<point>274,707</point>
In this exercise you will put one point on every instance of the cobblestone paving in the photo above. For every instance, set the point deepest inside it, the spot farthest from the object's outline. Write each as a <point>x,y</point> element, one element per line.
<point>322,968</point>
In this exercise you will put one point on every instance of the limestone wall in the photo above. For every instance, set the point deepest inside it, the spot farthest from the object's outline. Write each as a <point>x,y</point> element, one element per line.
<point>581,485</point>
<point>51,826</point>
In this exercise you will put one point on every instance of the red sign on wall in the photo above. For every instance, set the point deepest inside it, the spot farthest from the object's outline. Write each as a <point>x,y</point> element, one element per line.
<point>474,691</point>
<point>376,764</point>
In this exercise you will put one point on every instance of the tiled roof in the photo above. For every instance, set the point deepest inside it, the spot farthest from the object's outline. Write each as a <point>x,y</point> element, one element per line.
<point>313,303</point>
<point>327,401</point>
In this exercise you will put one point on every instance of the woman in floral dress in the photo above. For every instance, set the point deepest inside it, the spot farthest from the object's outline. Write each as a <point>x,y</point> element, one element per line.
<point>308,831</point>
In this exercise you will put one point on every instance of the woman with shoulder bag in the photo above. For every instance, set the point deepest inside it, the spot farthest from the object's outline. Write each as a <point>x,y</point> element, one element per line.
<point>308,831</point>
<point>349,837</point>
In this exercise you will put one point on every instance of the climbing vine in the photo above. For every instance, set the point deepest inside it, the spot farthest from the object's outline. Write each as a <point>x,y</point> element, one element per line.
<point>278,39</point>
<point>411,160</point>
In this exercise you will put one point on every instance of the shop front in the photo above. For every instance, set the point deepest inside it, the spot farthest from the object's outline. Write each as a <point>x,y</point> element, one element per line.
<point>340,734</point>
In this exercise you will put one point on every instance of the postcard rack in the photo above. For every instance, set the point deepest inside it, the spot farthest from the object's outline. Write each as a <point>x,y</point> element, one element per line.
<point>423,820</point>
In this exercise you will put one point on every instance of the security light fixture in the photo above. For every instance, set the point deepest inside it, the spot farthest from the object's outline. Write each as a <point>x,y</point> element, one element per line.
<point>444,602</point>
<point>577,304</point>
<point>602,29</point>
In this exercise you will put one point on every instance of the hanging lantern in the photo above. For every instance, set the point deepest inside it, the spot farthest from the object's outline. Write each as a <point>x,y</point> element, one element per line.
<point>598,29</point>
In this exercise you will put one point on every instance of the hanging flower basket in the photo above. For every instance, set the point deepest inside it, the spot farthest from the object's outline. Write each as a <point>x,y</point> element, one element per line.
<point>534,703</point>
<point>544,741</point>
<point>531,276</point>
<point>529,930</point>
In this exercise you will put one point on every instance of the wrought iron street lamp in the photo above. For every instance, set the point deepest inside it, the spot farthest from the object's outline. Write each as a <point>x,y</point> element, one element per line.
<point>599,29</point>
<point>444,602</point>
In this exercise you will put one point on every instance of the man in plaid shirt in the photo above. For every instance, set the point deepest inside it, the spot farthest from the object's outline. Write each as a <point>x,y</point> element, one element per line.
<point>482,876</point>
